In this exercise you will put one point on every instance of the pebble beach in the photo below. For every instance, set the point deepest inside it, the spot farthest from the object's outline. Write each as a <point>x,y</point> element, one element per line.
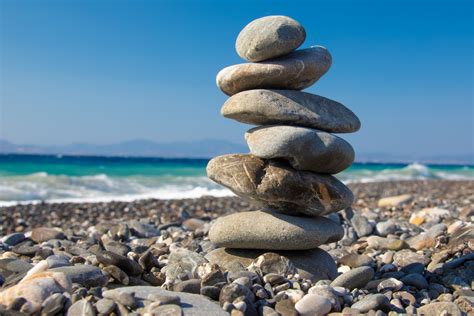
<point>289,236</point>
<point>411,253</point>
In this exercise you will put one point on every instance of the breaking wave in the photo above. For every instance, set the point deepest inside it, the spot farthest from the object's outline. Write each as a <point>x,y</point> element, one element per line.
<point>39,187</point>
<point>414,171</point>
<point>102,187</point>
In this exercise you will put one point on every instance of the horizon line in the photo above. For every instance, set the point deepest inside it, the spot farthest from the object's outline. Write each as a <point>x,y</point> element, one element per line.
<point>139,157</point>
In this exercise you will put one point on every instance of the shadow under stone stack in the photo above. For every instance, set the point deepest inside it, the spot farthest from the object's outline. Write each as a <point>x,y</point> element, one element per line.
<point>292,154</point>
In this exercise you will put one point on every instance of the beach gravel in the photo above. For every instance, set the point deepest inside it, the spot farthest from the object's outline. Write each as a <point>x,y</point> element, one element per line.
<point>146,256</point>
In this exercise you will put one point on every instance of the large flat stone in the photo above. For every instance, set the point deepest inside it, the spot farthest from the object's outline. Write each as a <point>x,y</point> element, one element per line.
<point>304,148</point>
<point>269,230</point>
<point>269,37</point>
<point>274,185</point>
<point>295,71</point>
<point>315,264</point>
<point>290,107</point>
<point>191,304</point>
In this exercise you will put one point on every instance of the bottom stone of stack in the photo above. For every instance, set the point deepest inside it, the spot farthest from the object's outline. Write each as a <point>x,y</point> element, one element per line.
<point>273,231</point>
<point>314,265</point>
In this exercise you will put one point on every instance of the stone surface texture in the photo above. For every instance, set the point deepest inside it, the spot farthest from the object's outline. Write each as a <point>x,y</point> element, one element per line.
<point>315,264</point>
<point>269,230</point>
<point>290,107</point>
<point>191,304</point>
<point>276,186</point>
<point>295,71</point>
<point>304,148</point>
<point>269,37</point>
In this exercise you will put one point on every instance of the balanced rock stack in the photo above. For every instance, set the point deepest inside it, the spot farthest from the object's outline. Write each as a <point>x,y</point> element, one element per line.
<point>292,153</point>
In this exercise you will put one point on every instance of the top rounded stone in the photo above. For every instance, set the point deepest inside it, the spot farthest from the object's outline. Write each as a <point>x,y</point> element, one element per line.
<point>269,37</point>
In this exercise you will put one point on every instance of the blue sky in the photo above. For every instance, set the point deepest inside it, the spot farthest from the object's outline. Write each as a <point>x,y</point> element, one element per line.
<point>107,71</point>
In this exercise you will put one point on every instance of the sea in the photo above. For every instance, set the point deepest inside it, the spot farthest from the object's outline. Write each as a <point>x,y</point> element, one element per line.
<point>38,178</point>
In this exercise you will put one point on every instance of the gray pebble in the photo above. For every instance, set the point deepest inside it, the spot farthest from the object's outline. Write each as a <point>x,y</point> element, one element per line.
<point>355,278</point>
<point>13,239</point>
<point>117,247</point>
<point>127,265</point>
<point>56,261</point>
<point>188,286</point>
<point>165,310</point>
<point>371,302</point>
<point>361,225</point>
<point>390,284</point>
<point>117,274</point>
<point>81,308</point>
<point>416,280</point>
<point>53,304</point>
<point>274,278</point>
<point>86,275</point>
<point>124,298</point>
<point>245,281</point>
<point>215,276</point>
<point>211,292</point>
<point>386,228</point>
<point>105,306</point>
<point>231,291</point>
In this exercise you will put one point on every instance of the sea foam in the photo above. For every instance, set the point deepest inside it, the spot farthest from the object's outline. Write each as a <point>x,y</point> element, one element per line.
<point>53,188</point>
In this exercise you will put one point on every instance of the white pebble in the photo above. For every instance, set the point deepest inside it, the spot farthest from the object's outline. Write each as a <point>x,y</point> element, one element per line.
<point>344,269</point>
<point>313,305</point>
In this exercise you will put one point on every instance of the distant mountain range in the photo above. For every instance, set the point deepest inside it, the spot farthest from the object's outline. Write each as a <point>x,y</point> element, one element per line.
<point>199,149</point>
<point>132,148</point>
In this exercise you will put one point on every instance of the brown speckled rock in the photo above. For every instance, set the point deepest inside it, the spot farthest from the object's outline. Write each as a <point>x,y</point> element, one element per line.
<point>276,186</point>
<point>314,264</point>
<point>295,71</point>
<point>290,107</point>
<point>269,37</point>
<point>439,308</point>
<point>268,230</point>
<point>304,148</point>
<point>42,234</point>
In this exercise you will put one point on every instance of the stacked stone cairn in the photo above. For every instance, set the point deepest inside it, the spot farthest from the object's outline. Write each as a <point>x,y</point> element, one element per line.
<point>287,174</point>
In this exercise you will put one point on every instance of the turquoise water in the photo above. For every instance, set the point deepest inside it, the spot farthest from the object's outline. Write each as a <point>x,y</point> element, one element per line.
<point>20,165</point>
<point>31,178</point>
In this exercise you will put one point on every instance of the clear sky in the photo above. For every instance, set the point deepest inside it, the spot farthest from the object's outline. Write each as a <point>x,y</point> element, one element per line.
<point>107,71</point>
